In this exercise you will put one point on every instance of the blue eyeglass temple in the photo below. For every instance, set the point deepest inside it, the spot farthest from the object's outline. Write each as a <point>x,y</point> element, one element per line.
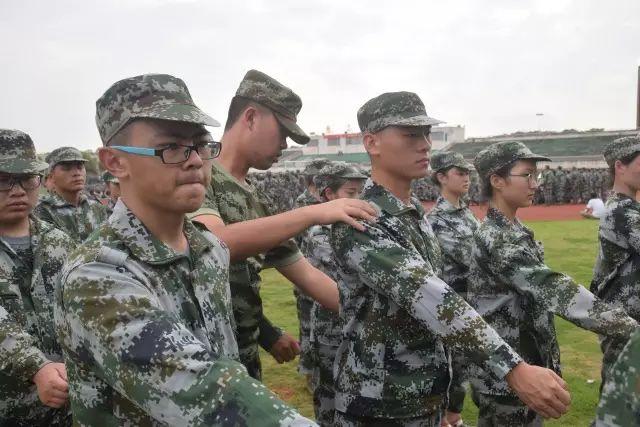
<point>135,150</point>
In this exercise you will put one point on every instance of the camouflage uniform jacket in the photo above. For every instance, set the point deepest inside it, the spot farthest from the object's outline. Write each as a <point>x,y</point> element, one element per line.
<point>514,290</point>
<point>304,199</point>
<point>398,316</point>
<point>325,325</point>
<point>27,335</point>
<point>235,202</point>
<point>616,276</point>
<point>147,333</point>
<point>454,228</point>
<point>78,222</point>
<point>620,400</point>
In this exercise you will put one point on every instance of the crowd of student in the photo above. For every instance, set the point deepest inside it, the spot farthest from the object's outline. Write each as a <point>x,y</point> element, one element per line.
<point>148,311</point>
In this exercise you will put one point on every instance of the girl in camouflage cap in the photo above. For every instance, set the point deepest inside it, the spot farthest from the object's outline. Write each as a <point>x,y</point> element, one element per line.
<point>335,180</point>
<point>453,224</point>
<point>515,291</point>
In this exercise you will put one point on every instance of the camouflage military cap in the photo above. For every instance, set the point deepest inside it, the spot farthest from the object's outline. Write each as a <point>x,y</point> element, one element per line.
<point>152,96</point>
<point>107,177</point>
<point>394,109</point>
<point>336,172</point>
<point>446,159</point>
<point>620,148</point>
<point>285,104</point>
<point>313,167</point>
<point>64,154</point>
<point>501,154</point>
<point>18,154</point>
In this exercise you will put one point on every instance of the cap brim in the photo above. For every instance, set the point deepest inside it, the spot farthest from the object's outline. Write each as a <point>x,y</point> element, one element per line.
<point>23,166</point>
<point>295,132</point>
<point>416,121</point>
<point>536,157</point>
<point>178,113</point>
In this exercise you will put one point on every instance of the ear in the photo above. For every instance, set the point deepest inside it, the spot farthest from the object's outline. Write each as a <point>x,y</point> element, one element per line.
<point>441,177</point>
<point>497,182</point>
<point>249,116</point>
<point>618,166</point>
<point>114,162</point>
<point>371,143</point>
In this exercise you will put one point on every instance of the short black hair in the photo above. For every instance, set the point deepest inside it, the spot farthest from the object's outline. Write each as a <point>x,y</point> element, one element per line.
<point>434,175</point>
<point>503,172</point>
<point>237,106</point>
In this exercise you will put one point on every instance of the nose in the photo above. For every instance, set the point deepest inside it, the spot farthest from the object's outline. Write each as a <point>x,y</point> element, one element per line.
<point>194,160</point>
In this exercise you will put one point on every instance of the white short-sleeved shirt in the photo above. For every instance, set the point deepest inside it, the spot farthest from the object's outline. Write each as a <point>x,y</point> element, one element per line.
<point>596,206</point>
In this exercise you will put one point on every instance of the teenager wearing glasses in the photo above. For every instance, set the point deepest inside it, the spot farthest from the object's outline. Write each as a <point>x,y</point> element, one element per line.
<point>514,290</point>
<point>32,373</point>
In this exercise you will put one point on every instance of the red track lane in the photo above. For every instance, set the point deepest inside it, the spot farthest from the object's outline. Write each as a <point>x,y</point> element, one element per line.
<point>533,213</point>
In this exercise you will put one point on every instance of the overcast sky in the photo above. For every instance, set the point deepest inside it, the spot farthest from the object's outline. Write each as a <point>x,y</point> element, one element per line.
<point>487,65</point>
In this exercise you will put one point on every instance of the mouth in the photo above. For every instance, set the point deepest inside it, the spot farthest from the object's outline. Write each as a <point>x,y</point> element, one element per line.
<point>18,205</point>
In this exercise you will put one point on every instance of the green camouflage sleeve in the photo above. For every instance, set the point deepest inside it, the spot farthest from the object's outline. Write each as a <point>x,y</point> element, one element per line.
<point>19,356</point>
<point>620,401</point>
<point>404,276</point>
<point>150,357</point>
<point>523,269</point>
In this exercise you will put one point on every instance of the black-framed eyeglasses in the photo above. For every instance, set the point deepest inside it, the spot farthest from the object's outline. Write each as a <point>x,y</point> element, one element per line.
<point>27,181</point>
<point>532,177</point>
<point>176,153</point>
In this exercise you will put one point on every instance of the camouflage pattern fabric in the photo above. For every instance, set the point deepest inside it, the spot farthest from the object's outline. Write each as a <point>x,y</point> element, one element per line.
<point>454,228</point>
<point>282,101</point>
<point>235,202</point>
<point>620,399</point>
<point>336,173</point>
<point>153,96</point>
<point>447,159</point>
<point>504,411</point>
<point>394,109</point>
<point>27,334</point>
<point>18,153</point>
<point>513,289</point>
<point>398,316</point>
<point>304,304</point>
<point>620,148</point>
<point>77,221</point>
<point>148,336</point>
<point>64,154</point>
<point>348,420</point>
<point>617,270</point>
<point>325,328</point>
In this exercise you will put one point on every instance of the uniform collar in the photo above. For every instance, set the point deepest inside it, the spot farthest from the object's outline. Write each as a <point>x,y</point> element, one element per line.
<point>502,221</point>
<point>146,247</point>
<point>55,200</point>
<point>37,227</point>
<point>444,205</point>
<point>389,203</point>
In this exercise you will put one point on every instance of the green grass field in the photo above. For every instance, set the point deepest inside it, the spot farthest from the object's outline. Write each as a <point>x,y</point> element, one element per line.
<point>570,247</point>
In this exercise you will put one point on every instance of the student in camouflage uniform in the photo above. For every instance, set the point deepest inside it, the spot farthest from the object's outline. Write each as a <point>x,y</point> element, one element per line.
<point>453,224</point>
<point>262,115</point>
<point>335,180</point>
<point>620,398</point>
<point>113,188</point>
<point>33,379</point>
<point>391,367</point>
<point>616,275</point>
<point>304,303</point>
<point>144,307</point>
<point>516,292</point>
<point>67,207</point>
<point>547,181</point>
